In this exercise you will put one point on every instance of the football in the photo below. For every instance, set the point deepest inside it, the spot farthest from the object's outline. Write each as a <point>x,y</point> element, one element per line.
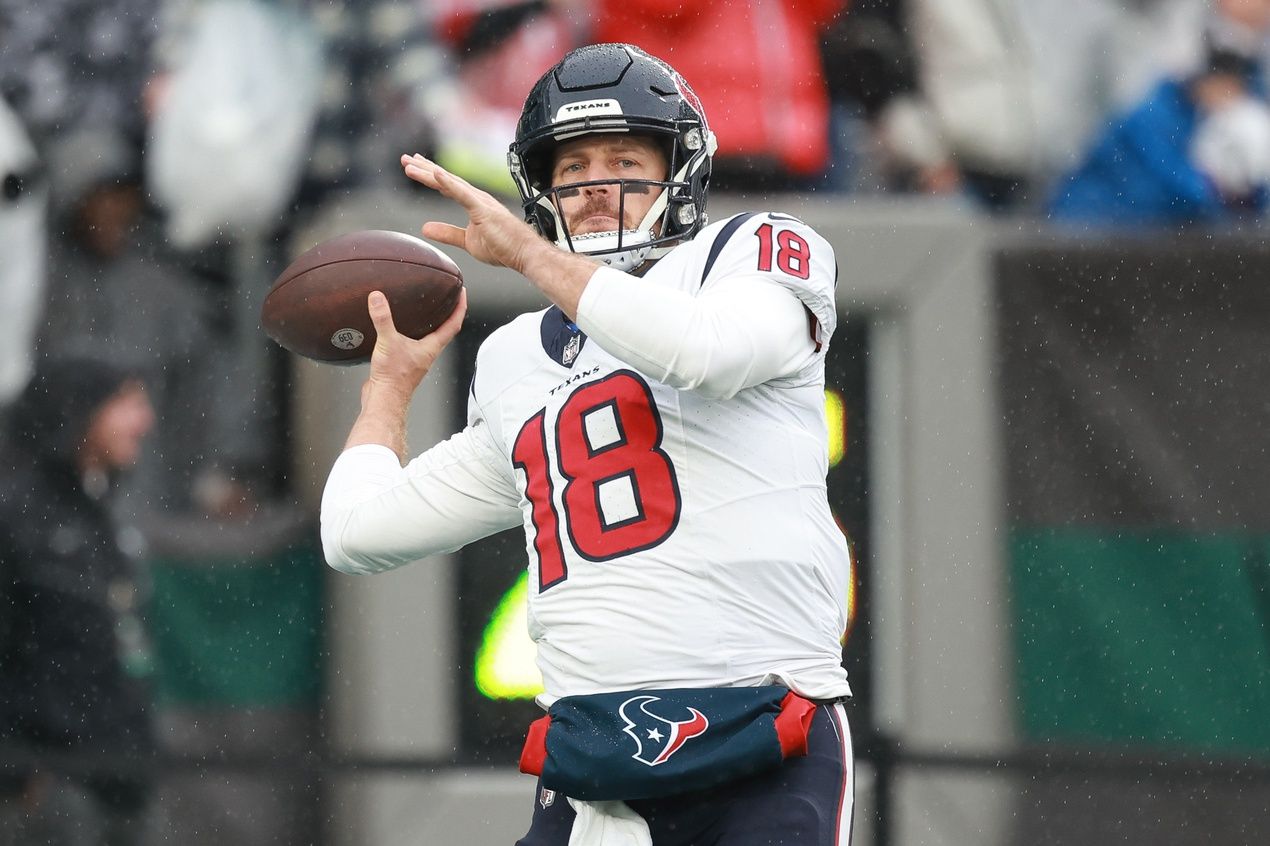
<point>317,305</point>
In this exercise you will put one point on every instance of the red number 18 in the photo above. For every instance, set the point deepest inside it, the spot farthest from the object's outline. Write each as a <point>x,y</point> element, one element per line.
<point>620,492</point>
<point>793,253</point>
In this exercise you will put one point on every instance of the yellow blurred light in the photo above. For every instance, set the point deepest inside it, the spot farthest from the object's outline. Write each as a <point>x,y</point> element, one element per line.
<point>836,419</point>
<point>506,666</point>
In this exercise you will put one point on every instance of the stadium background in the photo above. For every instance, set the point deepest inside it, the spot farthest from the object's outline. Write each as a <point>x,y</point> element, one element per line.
<point>1052,471</point>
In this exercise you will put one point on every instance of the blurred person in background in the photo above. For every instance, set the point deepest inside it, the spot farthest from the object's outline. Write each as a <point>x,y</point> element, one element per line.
<point>758,70</point>
<point>1195,149</point>
<point>113,279</point>
<point>497,49</point>
<point>75,657</point>
<point>23,205</point>
<point>333,90</point>
<point>353,75</point>
<point>946,90</point>
<point>65,66</point>
<point>73,64</point>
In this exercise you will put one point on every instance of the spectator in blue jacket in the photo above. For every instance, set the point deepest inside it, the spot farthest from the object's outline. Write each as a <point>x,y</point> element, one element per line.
<point>1194,150</point>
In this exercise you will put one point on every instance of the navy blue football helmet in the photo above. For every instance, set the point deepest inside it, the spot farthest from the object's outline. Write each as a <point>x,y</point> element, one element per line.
<point>610,88</point>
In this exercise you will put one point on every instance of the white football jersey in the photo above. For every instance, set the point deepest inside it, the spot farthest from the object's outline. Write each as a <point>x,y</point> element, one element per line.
<point>676,536</point>
<point>675,540</point>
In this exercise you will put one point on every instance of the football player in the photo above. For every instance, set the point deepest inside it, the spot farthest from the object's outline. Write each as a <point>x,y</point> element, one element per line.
<point>659,434</point>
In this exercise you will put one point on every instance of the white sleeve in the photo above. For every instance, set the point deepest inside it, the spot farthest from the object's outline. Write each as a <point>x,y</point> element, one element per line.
<point>731,337</point>
<point>378,515</point>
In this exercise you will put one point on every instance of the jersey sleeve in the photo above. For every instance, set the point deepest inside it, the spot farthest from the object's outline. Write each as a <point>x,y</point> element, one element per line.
<point>757,308</point>
<point>715,344</point>
<point>377,515</point>
<point>783,250</point>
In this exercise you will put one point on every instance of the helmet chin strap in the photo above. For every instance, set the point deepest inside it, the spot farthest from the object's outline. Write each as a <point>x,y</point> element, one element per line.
<point>634,242</point>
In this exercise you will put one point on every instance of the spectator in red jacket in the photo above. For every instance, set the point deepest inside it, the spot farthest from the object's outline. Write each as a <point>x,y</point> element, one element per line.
<point>756,67</point>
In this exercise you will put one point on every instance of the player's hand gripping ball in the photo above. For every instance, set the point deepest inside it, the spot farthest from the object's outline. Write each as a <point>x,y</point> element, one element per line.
<point>317,306</point>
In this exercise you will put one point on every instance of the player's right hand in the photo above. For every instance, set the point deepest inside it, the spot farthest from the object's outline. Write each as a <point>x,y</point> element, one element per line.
<point>493,234</point>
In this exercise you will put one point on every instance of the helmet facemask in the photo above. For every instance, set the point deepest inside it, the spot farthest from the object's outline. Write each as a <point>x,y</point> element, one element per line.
<point>665,224</point>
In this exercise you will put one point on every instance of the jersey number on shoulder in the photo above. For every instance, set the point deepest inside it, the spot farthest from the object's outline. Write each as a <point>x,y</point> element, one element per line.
<point>620,492</point>
<point>791,251</point>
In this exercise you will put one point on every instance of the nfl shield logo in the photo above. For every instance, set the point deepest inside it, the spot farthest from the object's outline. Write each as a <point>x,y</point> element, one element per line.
<point>571,350</point>
<point>547,798</point>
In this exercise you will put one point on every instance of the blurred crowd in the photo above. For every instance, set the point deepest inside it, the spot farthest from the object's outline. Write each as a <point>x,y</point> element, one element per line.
<point>159,157</point>
<point>158,154</point>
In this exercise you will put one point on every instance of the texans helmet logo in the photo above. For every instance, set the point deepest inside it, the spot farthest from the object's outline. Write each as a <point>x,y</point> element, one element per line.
<point>657,738</point>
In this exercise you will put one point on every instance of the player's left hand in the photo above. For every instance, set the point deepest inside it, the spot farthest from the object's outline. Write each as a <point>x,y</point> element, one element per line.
<point>493,234</point>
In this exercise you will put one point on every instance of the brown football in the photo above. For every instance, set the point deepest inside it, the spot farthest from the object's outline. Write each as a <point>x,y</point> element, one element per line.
<point>317,306</point>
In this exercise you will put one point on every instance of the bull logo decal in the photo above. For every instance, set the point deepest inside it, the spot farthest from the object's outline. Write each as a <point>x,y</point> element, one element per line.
<point>657,738</point>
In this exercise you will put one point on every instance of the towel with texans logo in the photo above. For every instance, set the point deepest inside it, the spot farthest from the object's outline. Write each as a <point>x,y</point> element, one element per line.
<point>641,744</point>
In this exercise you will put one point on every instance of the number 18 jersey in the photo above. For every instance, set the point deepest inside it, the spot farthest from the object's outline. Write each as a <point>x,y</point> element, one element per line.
<point>675,538</point>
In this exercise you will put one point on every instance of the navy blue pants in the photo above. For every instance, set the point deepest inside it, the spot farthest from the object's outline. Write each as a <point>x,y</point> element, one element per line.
<point>807,800</point>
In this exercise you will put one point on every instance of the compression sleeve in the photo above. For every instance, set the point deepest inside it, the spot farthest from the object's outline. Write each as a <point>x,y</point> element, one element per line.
<point>731,337</point>
<point>377,515</point>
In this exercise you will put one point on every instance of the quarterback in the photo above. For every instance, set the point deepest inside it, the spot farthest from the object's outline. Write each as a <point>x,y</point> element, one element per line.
<point>659,434</point>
